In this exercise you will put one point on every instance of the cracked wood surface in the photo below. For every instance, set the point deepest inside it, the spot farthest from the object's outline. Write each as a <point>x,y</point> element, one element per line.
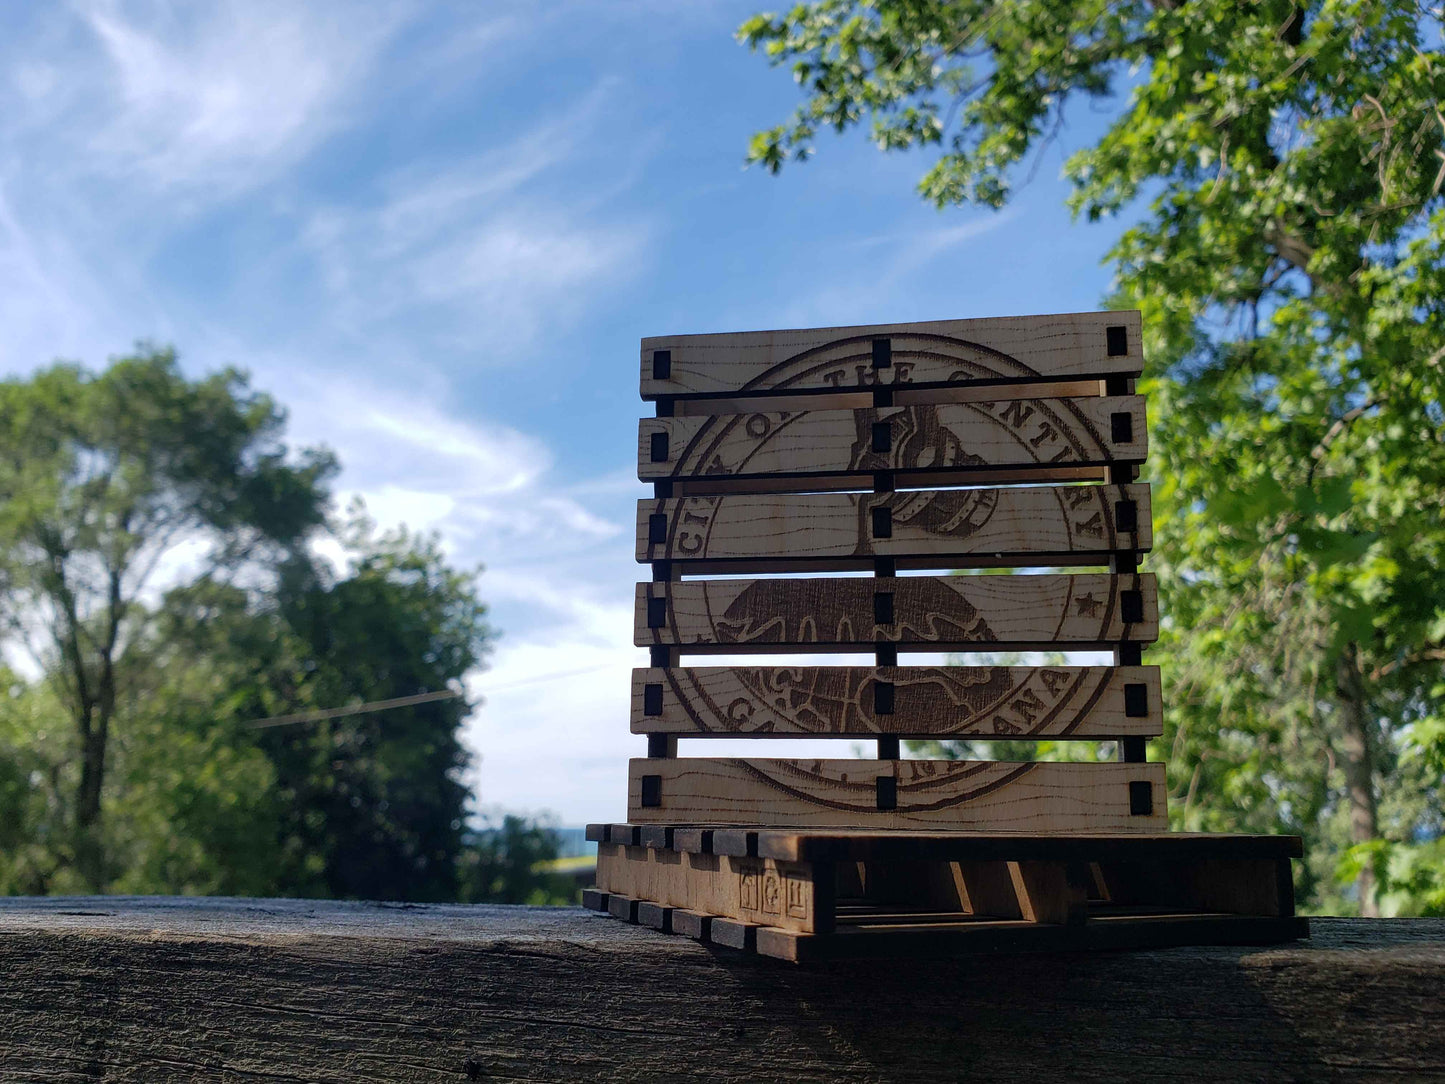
<point>125,989</point>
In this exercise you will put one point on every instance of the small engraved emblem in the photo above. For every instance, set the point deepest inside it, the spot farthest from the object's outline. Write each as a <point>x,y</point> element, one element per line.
<point>772,893</point>
<point>797,897</point>
<point>748,890</point>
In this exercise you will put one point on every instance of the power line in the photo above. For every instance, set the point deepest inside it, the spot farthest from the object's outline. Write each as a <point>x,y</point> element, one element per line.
<point>488,690</point>
<point>355,709</point>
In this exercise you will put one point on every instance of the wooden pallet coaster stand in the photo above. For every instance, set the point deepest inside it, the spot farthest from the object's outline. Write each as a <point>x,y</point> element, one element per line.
<point>797,474</point>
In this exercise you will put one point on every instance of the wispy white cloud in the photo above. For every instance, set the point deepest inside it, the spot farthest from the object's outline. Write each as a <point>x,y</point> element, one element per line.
<point>485,248</point>
<point>226,93</point>
<point>489,488</point>
<point>119,121</point>
<point>882,266</point>
<point>552,728</point>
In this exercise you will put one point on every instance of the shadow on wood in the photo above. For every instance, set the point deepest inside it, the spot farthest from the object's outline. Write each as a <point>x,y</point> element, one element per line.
<point>164,989</point>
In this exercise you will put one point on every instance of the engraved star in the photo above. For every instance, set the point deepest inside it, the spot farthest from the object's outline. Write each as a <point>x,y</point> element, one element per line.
<point>1088,605</point>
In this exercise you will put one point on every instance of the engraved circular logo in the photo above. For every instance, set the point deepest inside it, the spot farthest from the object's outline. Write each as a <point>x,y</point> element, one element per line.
<point>947,701</point>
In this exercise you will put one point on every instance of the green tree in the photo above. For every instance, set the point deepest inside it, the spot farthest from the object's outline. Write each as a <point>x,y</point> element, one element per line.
<point>380,794</point>
<point>503,864</point>
<point>33,791</point>
<point>134,762</point>
<point>332,802</point>
<point>1282,164</point>
<point>104,480</point>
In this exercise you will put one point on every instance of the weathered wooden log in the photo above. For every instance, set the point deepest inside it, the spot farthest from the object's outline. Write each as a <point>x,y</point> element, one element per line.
<point>285,990</point>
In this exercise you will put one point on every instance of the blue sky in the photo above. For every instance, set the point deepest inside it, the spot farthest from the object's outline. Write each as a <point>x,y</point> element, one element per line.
<point>436,232</point>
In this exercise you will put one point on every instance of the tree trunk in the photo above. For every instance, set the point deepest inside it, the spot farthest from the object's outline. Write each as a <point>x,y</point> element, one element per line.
<point>95,736</point>
<point>89,855</point>
<point>92,776</point>
<point>1357,757</point>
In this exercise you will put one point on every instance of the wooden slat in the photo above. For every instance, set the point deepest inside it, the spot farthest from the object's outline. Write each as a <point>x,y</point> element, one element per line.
<point>951,528</point>
<point>964,795</point>
<point>746,889</point>
<point>654,915</point>
<point>944,444</point>
<point>902,395</point>
<point>1050,891</point>
<point>926,701</point>
<point>1146,849</point>
<point>1001,350</point>
<point>820,483</point>
<point>987,888</point>
<point>944,613</point>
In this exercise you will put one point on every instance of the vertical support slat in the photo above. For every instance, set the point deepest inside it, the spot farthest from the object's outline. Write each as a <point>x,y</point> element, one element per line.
<point>825,897</point>
<point>889,747</point>
<point>664,746</point>
<point>1051,892</point>
<point>989,889</point>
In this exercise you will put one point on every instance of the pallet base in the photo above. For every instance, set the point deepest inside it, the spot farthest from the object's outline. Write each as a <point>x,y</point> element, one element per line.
<point>825,895</point>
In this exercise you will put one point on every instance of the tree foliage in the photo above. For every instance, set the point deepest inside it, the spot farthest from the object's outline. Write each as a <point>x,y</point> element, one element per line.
<point>502,862</point>
<point>162,594</point>
<point>1281,166</point>
<point>103,479</point>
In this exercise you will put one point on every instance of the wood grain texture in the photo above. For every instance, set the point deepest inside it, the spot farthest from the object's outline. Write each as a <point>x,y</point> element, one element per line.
<point>944,613</point>
<point>953,528</point>
<point>963,795</point>
<point>1003,350</point>
<point>943,444</point>
<point>1049,892</point>
<point>1086,702</point>
<point>901,394</point>
<point>1143,848</point>
<point>754,890</point>
<point>158,990</point>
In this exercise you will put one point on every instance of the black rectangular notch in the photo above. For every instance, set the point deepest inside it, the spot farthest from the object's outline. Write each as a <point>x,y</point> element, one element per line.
<point>882,437</point>
<point>659,447</point>
<point>1116,338</point>
<point>887,793</point>
<point>652,697</point>
<point>1121,427</point>
<point>1141,798</point>
<point>883,697</point>
<point>1136,700</point>
<point>883,607</point>
<point>882,522</point>
<point>1131,607</point>
<point>882,353</point>
<point>651,791</point>
<point>656,613</point>
<point>662,364</point>
<point>656,529</point>
<point>1126,515</point>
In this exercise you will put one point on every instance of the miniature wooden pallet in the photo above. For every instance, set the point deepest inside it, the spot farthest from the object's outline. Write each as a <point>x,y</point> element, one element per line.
<point>777,458</point>
<point>804,896</point>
